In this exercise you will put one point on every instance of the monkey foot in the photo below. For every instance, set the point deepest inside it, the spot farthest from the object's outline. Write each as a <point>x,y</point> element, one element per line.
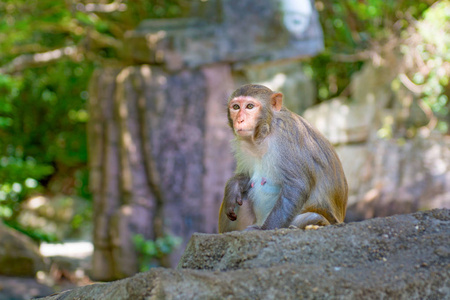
<point>253,228</point>
<point>293,227</point>
<point>312,227</point>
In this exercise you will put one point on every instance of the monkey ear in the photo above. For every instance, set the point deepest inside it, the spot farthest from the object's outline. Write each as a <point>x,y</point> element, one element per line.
<point>276,101</point>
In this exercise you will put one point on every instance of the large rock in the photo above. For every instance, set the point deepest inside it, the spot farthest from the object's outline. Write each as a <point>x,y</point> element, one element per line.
<point>401,177</point>
<point>55,216</point>
<point>342,121</point>
<point>160,157</point>
<point>286,77</point>
<point>147,153</point>
<point>214,33</point>
<point>19,255</point>
<point>354,159</point>
<point>19,288</point>
<point>372,84</point>
<point>393,166</point>
<point>399,257</point>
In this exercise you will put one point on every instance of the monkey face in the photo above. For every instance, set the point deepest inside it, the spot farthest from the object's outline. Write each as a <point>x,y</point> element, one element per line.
<point>244,112</point>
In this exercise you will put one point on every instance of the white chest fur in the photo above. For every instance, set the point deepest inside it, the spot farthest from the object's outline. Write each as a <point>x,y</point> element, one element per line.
<point>264,194</point>
<point>265,184</point>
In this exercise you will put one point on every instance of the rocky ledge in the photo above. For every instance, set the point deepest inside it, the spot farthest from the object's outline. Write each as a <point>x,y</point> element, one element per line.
<point>398,257</point>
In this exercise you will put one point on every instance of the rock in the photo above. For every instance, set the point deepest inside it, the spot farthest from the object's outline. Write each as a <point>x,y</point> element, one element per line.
<point>399,257</point>
<point>214,34</point>
<point>218,160</point>
<point>392,167</point>
<point>153,163</point>
<point>402,176</point>
<point>372,84</point>
<point>19,288</point>
<point>57,216</point>
<point>341,121</point>
<point>286,77</point>
<point>354,159</point>
<point>19,255</point>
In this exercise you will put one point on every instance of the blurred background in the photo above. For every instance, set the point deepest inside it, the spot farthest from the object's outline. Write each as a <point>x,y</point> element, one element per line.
<point>114,145</point>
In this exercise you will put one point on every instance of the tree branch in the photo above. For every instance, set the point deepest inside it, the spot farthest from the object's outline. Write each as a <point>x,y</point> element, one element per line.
<point>416,89</point>
<point>24,61</point>
<point>359,56</point>
<point>102,8</point>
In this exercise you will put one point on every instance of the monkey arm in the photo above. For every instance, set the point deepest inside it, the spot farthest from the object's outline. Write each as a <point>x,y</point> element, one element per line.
<point>231,217</point>
<point>298,176</point>
<point>286,206</point>
<point>236,191</point>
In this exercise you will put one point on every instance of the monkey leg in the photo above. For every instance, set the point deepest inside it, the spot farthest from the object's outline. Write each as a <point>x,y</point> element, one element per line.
<point>245,218</point>
<point>309,218</point>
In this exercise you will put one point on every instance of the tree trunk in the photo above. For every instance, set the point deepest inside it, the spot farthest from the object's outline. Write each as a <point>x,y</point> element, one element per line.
<point>159,159</point>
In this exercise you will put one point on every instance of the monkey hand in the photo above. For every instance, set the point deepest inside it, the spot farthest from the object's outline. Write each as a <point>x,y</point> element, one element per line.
<point>253,228</point>
<point>231,214</point>
<point>236,192</point>
<point>230,206</point>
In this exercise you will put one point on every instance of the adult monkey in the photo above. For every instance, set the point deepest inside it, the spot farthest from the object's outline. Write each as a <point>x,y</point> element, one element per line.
<point>287,172</point>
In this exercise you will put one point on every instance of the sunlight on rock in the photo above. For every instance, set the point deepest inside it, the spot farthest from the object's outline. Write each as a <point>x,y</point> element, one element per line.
<point>127,210</point>
<point>154,38</point>
<point>434,161</point>
<point>276,82</point>
<point>71,249</point>
<point>162,80</point>
<point>341,121</point>
<point>123,75</point>
<point>296,15</point>
<point>36,202</point>
<point>146,71</point>
<point>40,275</point>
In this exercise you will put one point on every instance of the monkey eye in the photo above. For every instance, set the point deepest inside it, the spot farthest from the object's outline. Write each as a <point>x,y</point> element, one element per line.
<point>236,107</point>
<point>250,106</point>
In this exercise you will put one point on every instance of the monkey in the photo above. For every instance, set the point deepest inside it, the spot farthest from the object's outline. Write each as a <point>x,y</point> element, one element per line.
<point>287,173</point>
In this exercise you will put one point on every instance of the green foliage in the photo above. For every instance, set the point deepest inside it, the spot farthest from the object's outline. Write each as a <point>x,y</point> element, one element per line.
<point>32,26</point>
<point>37,235</point>
<point>43,112</point>
<point>150,250</point>
<point>43,130</point>
<point>434,29</point>
<point>19,178</point>
<point>359,31</point>
<point>352,27</point>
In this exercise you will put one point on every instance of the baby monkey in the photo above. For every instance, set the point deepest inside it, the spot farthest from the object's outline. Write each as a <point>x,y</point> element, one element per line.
<point>287,173</point>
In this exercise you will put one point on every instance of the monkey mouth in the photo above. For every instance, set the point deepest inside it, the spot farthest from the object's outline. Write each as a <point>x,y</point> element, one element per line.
<point>244,132</point>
